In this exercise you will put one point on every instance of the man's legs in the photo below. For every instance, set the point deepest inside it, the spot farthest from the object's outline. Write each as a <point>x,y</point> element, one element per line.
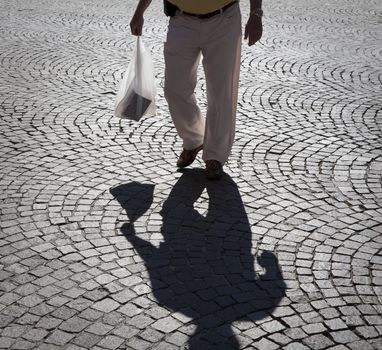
<point>182,55</point>
<point>221,49</point>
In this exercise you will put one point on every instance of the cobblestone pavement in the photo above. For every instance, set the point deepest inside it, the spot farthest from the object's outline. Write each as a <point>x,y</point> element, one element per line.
<point>104,245</point>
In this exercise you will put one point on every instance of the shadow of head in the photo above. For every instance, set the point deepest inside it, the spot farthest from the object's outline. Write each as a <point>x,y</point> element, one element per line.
<point>204,267</point>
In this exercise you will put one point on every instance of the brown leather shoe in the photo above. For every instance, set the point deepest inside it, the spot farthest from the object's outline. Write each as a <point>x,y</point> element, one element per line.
<point>214,169</point>
<point>187,157</point>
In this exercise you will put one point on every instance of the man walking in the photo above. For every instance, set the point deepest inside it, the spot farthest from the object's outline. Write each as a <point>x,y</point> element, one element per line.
<point>211,28</point>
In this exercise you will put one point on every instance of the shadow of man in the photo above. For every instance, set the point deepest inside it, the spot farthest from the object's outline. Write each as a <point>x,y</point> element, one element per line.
<point>204,267</point>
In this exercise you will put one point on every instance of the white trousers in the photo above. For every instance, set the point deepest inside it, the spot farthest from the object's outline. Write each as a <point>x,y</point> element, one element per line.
<point>218,40</point>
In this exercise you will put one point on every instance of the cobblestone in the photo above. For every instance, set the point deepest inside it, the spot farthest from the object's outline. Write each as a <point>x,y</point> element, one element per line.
<point>104,245</point>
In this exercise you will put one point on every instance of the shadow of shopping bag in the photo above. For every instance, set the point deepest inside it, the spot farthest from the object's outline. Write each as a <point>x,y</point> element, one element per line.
<point>136,94</point>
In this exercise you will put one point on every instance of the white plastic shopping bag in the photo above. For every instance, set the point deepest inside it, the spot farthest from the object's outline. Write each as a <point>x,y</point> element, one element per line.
<point>136,94</point>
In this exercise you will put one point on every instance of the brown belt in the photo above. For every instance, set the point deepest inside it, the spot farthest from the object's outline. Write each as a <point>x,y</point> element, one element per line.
<point>210,14</point>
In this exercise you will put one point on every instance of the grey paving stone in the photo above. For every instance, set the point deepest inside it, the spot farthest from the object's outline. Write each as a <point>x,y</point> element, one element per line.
<point>353,321</point>
<point>272,326</point>
<point>294,321</point>
<point>5,320</point>
<point>28,319</point>
<point>35,335</point>
<point>376,343</point>
<point>48,347</point>
<point>166,325</point>
<point>314,328</point>
<point>374,320</point>
<point>79,304</point>
<point>123,330</point>
<point>111,342</point>
<point>317,341</point>
<point>344,337</point>
<point>361,344</point>
<point>130,310</point>
<point>30,300</point>
<point>152,335</point>
<point>106,305</point>
<point>96,294</point>
<point>74,325</point>
<point>295,333</point>
<point>75,347</point>
<point>367,332</point>
<point>59,338</point>
<point>113,318</point>
<point>63,313</point>
<point>336,324</point>
<point>279,338</point>
<point>266,344</point>
<point>124,296</point>
<point>22,344</point>
<point>283,311</point>
<point>9,298</point>
<point>7,342</point>
<point>87,340</point>
<point>177,338</point>
<point>58,301</point>
<point>255,333</point>
<point>90,314</point>
<point>165,346</point>
<point>99,328</point>
<point>49,323</point>
<point>329,313</point>
<point>138,343</point>
<point>13,331</point>
<point>140,321</point>
<point>296,345</point>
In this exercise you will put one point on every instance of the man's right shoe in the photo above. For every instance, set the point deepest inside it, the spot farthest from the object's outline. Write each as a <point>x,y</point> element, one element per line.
<point>188,156</point>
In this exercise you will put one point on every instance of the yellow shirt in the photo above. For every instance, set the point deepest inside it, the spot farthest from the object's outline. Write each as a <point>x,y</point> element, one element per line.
<point>200,6</point>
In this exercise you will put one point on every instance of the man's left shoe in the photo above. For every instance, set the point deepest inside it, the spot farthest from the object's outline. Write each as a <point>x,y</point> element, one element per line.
<point>214,169</point>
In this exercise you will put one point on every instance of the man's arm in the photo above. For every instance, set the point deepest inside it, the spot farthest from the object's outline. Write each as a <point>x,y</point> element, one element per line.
<point>136,23</point>
<point>254,27</point>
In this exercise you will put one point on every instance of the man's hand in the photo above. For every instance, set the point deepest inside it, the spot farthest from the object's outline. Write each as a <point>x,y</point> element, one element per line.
<point>136,24</point>
<point>253,29</point>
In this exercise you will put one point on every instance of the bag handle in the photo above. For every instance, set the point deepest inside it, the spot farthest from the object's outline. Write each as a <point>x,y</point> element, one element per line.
<point>138,61</point>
